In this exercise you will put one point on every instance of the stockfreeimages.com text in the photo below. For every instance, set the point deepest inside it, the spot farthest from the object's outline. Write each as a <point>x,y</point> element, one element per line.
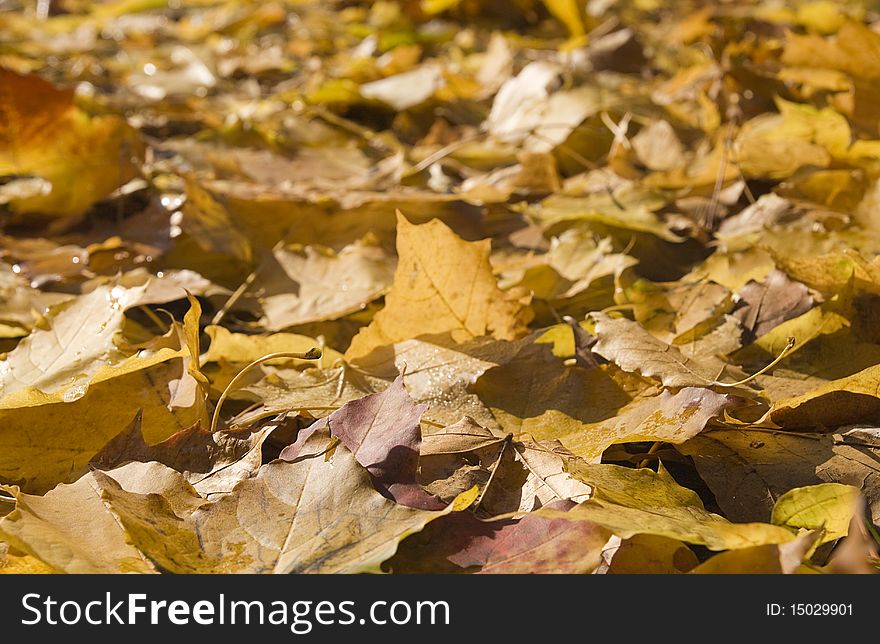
<point>300,616</point>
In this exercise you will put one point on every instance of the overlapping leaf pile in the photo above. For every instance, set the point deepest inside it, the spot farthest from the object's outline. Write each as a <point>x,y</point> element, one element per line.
<point>595,286</point>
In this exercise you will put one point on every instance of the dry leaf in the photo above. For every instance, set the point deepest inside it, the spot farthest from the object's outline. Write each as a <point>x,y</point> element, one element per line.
<point>749,470</point>
<point>650,554</point>
<point>48,438</point>
<point>513,475</point>
<point>425,297</point>
<point>317,284</point>
<point>315,515</point>
<point>461,543</point>
<point>769,304</point>
<point>639,238</point>
<point>81,158</point>
<point>71,528</point>
<point>383,432</point>
<point>785,558</point>
<point>629,346</point>
<point>630,502</point>
<point>536,394</point>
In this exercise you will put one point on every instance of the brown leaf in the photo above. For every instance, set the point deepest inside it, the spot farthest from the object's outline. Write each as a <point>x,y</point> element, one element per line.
<point>772,302</point>
<point>439,372</point>
<point>513,475</point>
<point>313,284</point>
<point>536,394</point>
<point>461,543</point>
<point>630,347</point>
<point>852,399</point>
<point>71,528</point>
<point>211,462</point>
<point>43,133</point>
<point>319,514</point>
<point>667,417</point>
<point>383,432</point>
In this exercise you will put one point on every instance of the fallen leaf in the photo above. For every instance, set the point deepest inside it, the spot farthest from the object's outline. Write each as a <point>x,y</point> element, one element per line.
<point>630,502</point>
<point>425,297</point>
<point>405,90</point>
<point>650,554</point>
<point>629,209</point>
<point>318,284</point>
<point>857,552</point>
<point>71,528</point>
<point>778,145</point>
<point>383,432</point>
<point>315,515</point>
<point>768,304</point>
<point>439,373</point>
<point>208,222</point>
<point>568,12</point>
<point>667,417</point>
<point>638,236</point>
<point>512,475</point>
<point>658,147</point>
<point>785,558</point>
<point>630,347</point>
<point>461,543</point>
<point>78,343</point>
<point>75,424</point>
<point>749,470</point>
<point>536,394</point>
<point>318,392</point>
<point>848,400</point>
<point>519,104</point>
<point>827,507</point>
<point>852,50</point>
<point>211,462</point>
<point>229,353</point>
<point>83,158</point>
<point>14,563</point>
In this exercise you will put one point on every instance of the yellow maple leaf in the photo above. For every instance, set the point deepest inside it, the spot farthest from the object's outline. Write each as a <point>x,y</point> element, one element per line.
<point>443,284</point>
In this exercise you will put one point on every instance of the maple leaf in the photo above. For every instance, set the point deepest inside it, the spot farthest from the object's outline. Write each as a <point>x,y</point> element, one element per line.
<point>291,517</point>
<point>426,296</point>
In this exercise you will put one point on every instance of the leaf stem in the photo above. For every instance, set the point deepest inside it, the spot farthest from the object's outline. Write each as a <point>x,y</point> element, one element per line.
<point>654,448</point>
<point>872,530</point>
<point>311,354</point>
<point>788,347</point>
<point>507,441</point>
<point>155,319</point>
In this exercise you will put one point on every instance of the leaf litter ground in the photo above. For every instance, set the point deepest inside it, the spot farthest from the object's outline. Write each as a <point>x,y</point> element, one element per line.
<point>446,287</point>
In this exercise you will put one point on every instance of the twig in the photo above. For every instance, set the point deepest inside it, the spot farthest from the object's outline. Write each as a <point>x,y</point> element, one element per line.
<point>236,296</point>
<point>245,285</point>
